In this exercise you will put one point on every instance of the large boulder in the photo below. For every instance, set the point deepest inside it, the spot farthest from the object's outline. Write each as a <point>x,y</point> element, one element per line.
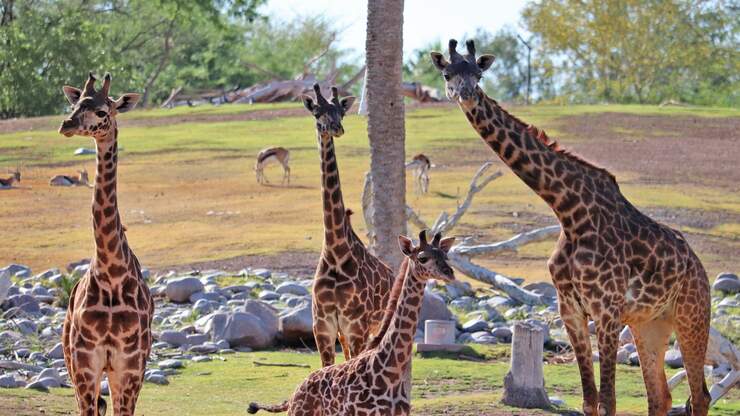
<point>265,312</point>
<point>433,307</point>
<point>240,329</point>
<point>5,285</point>
<point>291,288</point>
<point>727,283</point>
<point>24,303</point>
<point>179,290</point>
<point>172,337</point>
<point>296,325</point>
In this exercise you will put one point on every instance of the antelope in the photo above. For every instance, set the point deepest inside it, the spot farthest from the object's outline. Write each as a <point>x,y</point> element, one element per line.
<point>265,156</point>
<point>15,177</point>
<point>421,165</point>
<point>64,180</point>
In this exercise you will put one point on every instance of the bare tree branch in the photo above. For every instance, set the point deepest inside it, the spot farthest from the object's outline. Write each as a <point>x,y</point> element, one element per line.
<point>511,244</point>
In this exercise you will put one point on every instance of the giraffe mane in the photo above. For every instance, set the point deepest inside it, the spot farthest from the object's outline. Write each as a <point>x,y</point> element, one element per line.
<point>553,145</point>
<point>390,310</point>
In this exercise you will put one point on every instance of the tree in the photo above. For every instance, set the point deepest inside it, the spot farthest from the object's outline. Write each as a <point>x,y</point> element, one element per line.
<point>384,51</point>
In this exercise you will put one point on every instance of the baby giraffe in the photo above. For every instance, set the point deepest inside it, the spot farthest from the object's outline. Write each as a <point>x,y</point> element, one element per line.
<point>108,324</point>
<point>377,382</point>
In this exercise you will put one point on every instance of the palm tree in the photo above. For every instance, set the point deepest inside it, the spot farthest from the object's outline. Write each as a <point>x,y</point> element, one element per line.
<point>385,127</point>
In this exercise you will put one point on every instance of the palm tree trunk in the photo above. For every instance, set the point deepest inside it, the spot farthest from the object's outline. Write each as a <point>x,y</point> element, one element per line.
<point>384,51</point>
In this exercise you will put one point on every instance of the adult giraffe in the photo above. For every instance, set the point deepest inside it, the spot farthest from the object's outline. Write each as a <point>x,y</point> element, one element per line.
<point>108,324</point>
<point>351,286</point>
<point>612,263</point>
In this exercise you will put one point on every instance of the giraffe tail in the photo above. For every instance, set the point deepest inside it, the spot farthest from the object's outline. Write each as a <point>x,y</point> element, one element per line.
<point>102,406</point>
<point>254,408</point>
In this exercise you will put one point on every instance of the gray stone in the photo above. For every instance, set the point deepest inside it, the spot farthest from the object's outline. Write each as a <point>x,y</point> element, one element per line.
<point>296,324</point>
<point>291,288</point>
<point>269,295</point>
<point>503,334</point>
<point>75,264</point>
<point>726,285</point>
<point>556,401</point>
<point>17,270</point>
<point>24,303</point>
<point>434,307</point>
<point>623,356</point>
<point>201,359</point>
<point>543,288</point>
<point>26,327</point>
<point>56,352</point>
<point>202,307</point>
<point>196,339</point>
<point>104,388</point>
<point>5,285</point>
<point>179,290</point>
<point>458,288</point>
<point>483,337</point>
<point>209,296</point>
<point>635,359</point>
<point>673,358</point>
<point>39,385</point>
<point>170,364</point>
<point>238,329</point>
<point>263,273</point>
<point>728,275</point>
<point>464,302</point>
<point>222,344</point>
<point>23,352</point>
<point>7,381</point>
<point>205,348</point>
<point>625,337</point>
<point>475,325</point>
<point>160,379</point>
<point>80,270</point>
<point>38,357</point>
<point>497,301</point>
<point>172,337</point>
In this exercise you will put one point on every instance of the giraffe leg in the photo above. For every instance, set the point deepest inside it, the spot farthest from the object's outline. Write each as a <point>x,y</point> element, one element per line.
<point>125,384</point>
<point>577,329</point>
<point>692,328</point>
<point>345,346</point>
<point>86,372</point>
<point>325,333</point>
<point>651,339</point>
<point>607,330</point>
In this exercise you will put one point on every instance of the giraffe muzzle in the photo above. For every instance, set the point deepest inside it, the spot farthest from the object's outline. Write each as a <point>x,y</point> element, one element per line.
<point>68,126</point>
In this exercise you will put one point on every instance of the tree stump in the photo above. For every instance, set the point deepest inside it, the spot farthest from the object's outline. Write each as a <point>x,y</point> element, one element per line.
<point>524,384</point>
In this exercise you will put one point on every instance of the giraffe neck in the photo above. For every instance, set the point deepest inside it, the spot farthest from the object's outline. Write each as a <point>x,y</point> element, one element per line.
<point>112,252</point>
<point>335,216</point>
<point>555,176</point>
<point>397,343</point>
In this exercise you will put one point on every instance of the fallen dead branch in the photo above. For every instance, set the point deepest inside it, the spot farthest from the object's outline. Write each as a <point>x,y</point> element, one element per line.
<point>261,364</point>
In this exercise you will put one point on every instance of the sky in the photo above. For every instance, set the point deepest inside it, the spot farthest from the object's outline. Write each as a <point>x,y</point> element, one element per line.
<point>425,21</point>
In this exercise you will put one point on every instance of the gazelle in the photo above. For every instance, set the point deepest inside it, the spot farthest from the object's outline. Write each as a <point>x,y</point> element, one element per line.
<point>420,165</point>
<point>15,177</point>
<point>272,154</point>
<point>63,180</point>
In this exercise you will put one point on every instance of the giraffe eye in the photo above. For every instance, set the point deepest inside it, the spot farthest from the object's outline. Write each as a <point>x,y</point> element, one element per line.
<point>423,259</point>
<point>101,114</point>
<point>447,77</point>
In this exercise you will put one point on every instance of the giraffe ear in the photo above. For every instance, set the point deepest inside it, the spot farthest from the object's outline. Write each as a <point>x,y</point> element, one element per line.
<point>446,244</point>
<point>407,246</point>
<point>127,102</point>
<point>346,103</point>
<point>73,94</point>
<point>485,61</point>
<point>308,103</point>
<point>439,60</point>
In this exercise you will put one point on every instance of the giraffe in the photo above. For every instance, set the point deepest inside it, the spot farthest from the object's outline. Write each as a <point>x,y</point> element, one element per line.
<point>351,285</point>
<point>611,263</point>
<point>108,324</point>
<point>377,382</point>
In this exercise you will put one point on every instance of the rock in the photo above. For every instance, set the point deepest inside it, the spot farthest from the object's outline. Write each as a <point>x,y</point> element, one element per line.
<point>160,379</point>
<point>176,338</point>
<point>179,290</point>
<point>434,307</point>
<point>80,270</point>
<point>291,288</point>
<point>263,273</point>
<point>458,288</point>
<point>623,356</point>
<point>202,307</point>
<point>201,359</point>
<point>673,358</point>
<point>56,352</point>
<point>543,288</point>
<point>26,327</point>
<point>592,327</point>
<point>625,337</point>
<point>475,325</point>
<point>75,264</point>
<point>497,301</point>
<point>269,295</point>
<point>17,270</point>
<point>209,296</point>
<point>24,303</point>
<point>81,151</point>
<point>464,302</point>
<point>726,284</point>
<point>238,329</point>
<point>556,401</point>
<point>38,385</point>
<point>104,388</point>
<point>297,324</point>
<point>635,359</point>
<point>206,348</point>
<point>5,285</point>
<point>265,312</point>
<point>483,337</point>
<point>196,339</point>
<point>170,364</point>
<point>23,352</point>
<point>7,381</point>
<point>503,334</point>
<point>728,275</point>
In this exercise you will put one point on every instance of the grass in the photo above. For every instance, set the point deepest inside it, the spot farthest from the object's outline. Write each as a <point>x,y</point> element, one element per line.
<point>226,387</point>
<point>188,194</point>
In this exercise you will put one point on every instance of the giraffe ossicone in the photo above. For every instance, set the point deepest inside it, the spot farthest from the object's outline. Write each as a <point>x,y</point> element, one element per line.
<point>378,381</point>
<point>107,329</point>
<point>612,263</point>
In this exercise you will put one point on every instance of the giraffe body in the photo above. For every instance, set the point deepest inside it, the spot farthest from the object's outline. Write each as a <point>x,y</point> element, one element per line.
<point>107,329</point>
<point>378,381</point>
<point>351,286</point>
<point>611,264</point>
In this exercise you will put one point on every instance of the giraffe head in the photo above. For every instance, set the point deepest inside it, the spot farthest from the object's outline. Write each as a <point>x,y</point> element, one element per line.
<point>94,112</point>
<point>428,260</point>
<point>462,73</point>
<point>328,114</point>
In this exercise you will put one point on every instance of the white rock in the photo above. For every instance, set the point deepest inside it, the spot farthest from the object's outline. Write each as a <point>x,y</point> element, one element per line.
<point>56,352</point>
<point>179,290</point>
<point>297,324</point>
<point>291,288</point>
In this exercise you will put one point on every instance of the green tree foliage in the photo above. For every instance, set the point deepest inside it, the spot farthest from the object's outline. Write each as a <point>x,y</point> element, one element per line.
<point>151,46</point>
<point>644,51</point>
